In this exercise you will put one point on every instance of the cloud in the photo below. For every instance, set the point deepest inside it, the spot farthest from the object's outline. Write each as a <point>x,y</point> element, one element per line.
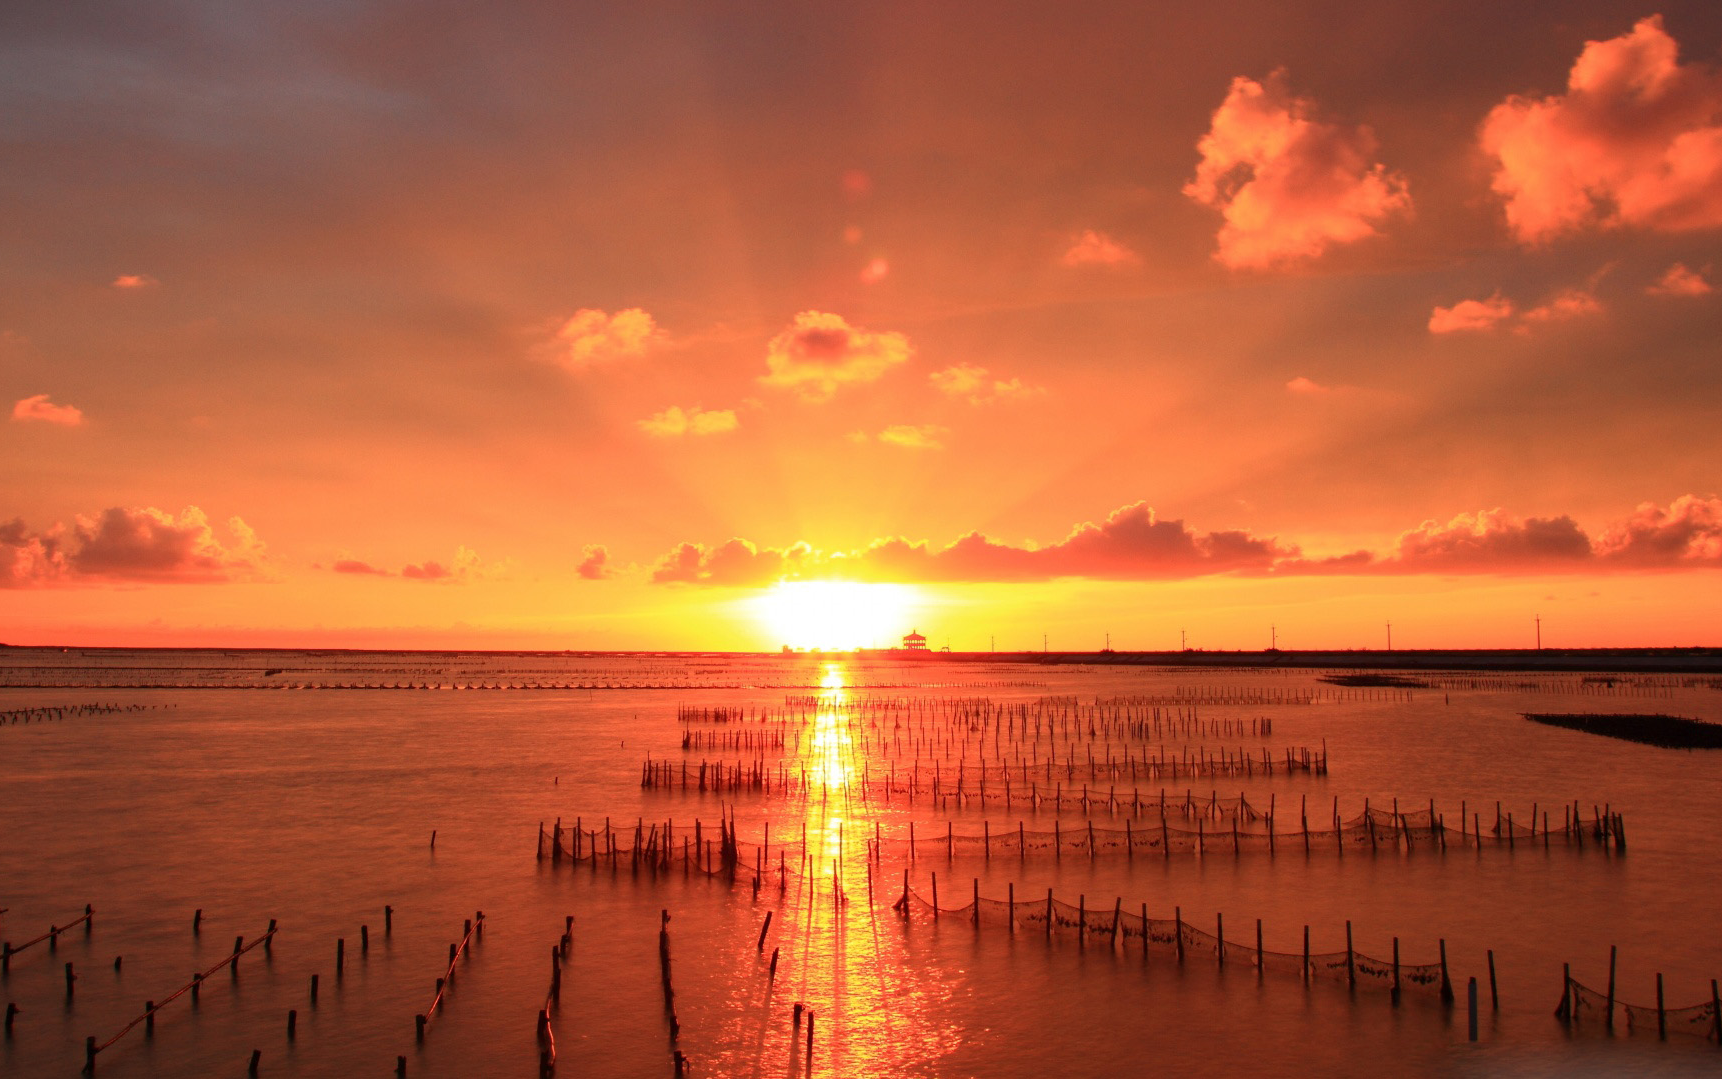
<point>594,562</point>
<point>1490,541</point>
<point>975,384</point>
<point>29,559</point>
<point>1307,387</point>
<point>737,562</point>
<point>1097,249</point>
<point>1134,543</point>
<point>39,409</point>
<point>1471,315</point>
<point>351,565</point>
<point>467,566</point>
<point>592,337</point>
<point>1288,186</point>
<point>1571,303</point>
<point>134,281</point>
<point>1679,281</point>
<point>820,352</point>
<point>129,545</point>
<point>1687,533</point>
<point>1635,141</point>
<point>1131,544</point>
<point>674,422</point>
<point>926,436</point>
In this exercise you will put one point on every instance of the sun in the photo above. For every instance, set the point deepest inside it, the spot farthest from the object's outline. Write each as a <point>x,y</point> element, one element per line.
<point>837,615</point>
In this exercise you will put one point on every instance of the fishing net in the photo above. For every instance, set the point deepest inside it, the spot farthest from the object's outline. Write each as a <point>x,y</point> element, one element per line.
<point>1175,937</point>
<point>1582,1004</point>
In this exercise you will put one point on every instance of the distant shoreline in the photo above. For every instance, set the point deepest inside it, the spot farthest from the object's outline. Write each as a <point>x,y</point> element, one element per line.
<point>1603,660</point>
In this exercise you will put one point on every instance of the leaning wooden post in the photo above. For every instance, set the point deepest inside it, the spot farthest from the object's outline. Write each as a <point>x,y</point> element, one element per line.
<point>1306,970</point>
<point>1716,1011</point>
<point>1178,924</point>
<point>935,897</point>
<point>1564,1012</point>
<point>1494,992</point>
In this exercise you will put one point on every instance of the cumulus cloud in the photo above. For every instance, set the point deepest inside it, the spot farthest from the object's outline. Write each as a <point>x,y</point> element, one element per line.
<point>1097,249</point>
<point>592,336</point>
<point>925,436</point>
<point>1131,544</point>
<point>1288,186</point>
<point>134,281</point>
<point>1680,281</point>
<point>1307,387</point>
<point>1688,532</point>
<point>39,409</point>
<point>594,562</point>
<point>1567,304</point>
<point>820,352</point>
<point>978,386</point>
<point>1490,540</point>
<point>737,562</point>
<point>30,559</point>
<point>1471,315</point>
<point>466,566</point>
<point>675,421</point>
<point>1134,543</point>
<point>129,545</point>
<point>353,565</point>
<point>1636,140</point>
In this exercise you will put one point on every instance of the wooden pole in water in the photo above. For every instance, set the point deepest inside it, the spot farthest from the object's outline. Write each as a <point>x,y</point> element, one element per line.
<point>1608,1015</point>
<point>1446,982</point>
<point>1350,959</point>
<point>1306,970</point>
<point>1494,994</point>
<point>1471,1006</point>
<point>1716,1012</point>
<point>1661,1013</point>
<point>1395,994</point>
<point>1258,949</point>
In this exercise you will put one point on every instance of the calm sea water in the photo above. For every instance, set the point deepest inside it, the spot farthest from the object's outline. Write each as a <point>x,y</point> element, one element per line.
<point>316,807</point>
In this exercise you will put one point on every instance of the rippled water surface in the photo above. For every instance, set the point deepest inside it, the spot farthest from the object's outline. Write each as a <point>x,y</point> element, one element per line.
<point>243,785</point>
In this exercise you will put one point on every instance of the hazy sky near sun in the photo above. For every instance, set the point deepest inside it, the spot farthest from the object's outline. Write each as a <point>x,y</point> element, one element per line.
<point>496,324</point>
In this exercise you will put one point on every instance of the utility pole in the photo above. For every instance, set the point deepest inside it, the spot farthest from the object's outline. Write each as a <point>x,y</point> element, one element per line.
<point>1539,633</point>
<point>1273,638</point>
<point>1183,641</point>
<point>1043,646</point>
<point>992,643</point>
<point>1390,636</point>
<point>1109,642</point>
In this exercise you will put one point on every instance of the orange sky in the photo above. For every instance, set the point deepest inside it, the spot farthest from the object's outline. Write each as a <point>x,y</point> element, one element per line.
<point>400,324</point>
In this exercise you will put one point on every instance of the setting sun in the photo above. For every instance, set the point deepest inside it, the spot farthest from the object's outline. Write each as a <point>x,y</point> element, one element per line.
<point>836,614</point>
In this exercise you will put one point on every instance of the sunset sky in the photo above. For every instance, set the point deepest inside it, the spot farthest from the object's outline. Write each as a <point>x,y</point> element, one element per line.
<point>582,326</point>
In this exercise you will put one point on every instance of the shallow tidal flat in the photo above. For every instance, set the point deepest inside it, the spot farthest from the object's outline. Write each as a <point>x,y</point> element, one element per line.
<point>1155,806</point>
